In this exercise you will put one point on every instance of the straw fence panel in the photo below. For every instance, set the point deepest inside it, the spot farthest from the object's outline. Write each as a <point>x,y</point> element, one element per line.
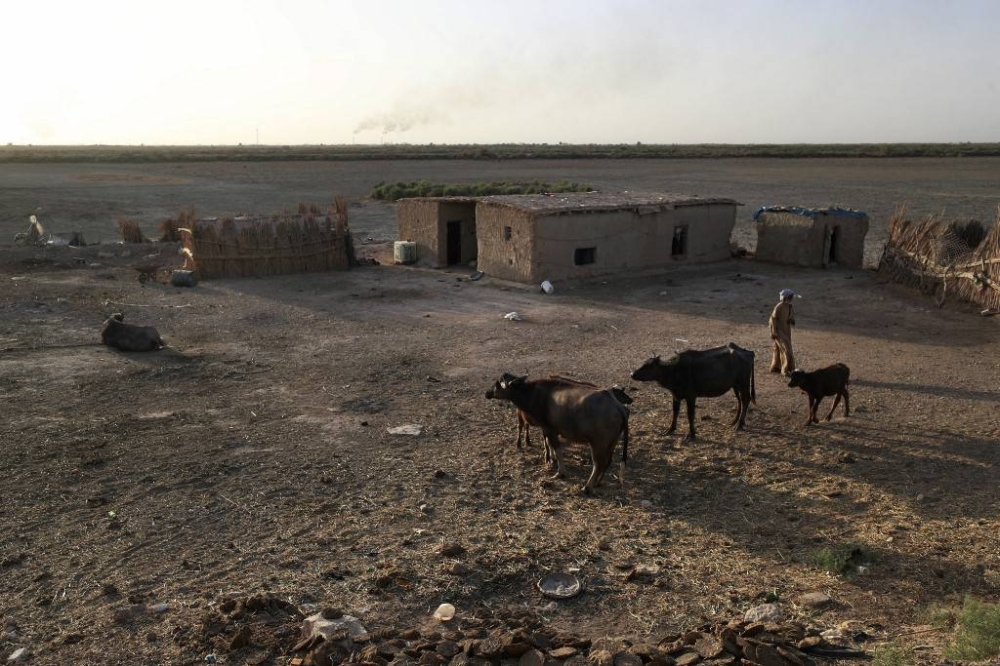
<point>933,256</point>
<point>275,246</point>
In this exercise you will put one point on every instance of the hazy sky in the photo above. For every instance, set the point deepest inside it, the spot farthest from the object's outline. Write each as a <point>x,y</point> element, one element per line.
<point>472,71</point>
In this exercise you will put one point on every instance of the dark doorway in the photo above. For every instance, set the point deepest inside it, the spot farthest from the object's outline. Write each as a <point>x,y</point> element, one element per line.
<point>679,243</point>
<point>832,257</point>
<point>454,242</point>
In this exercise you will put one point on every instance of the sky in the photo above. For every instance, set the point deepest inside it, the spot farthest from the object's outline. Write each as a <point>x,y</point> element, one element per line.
<point>501,71</point>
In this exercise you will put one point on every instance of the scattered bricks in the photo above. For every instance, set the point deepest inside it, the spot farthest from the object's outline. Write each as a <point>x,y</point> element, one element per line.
<point>451,550</point>
<point>602,658</point>
<point>448,649</point>
<point>687,659</point>
<point>809,642</point>
<point>815,600</point>
<point>431,659</point>
<point>627,659</point>
<point>532,658</point>
<point>516,649</point>
<point>563,652</point>
<point>409,634</point>
<point>709,647</point>
<point>577,660</point>
<point>495,645</point>
<point>241,639</point>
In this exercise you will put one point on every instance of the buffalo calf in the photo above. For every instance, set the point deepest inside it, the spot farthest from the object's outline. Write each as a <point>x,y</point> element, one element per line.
<point>129,337</point>
<point>831,380</point>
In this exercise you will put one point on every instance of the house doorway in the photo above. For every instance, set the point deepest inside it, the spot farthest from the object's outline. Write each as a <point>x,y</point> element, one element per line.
<point>453,242</point>
<point>831,257</point>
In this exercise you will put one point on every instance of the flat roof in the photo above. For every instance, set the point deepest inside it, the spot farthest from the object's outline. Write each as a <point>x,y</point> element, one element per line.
<point>587,201</point>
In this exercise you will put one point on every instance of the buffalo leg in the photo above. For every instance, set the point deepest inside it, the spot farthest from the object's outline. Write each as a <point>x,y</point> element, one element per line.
<point>522,426</point>
<point>847,403</point>
<point>836,401</point>
<point>819,399</point>
<point>604,457</point>
<point>739,407</point>
<point>690,406</point>
<point>809,416</point>
<point>552,440</point>
<point>673,420</point>
<point>744,407</point>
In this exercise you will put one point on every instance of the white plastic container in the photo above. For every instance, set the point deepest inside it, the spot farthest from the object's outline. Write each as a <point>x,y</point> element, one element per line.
<point>404,252</point>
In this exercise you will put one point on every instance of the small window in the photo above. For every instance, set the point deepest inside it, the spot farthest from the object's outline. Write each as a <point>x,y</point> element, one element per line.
<point>679,246</point>
<point>584,255</point>
<point>507,233</point>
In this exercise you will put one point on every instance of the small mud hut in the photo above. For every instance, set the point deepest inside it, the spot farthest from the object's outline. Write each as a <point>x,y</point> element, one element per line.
<point>535,237</point>
<point>811,237</point>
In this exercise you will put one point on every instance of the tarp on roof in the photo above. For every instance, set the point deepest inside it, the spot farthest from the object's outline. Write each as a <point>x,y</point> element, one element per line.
<point>811,212</point>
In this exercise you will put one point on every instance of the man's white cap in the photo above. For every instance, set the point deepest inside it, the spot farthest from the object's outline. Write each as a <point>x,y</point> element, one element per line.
<point>786,293</point>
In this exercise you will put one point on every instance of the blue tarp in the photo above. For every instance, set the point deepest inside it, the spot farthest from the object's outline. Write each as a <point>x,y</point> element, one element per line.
<point>810,212</point>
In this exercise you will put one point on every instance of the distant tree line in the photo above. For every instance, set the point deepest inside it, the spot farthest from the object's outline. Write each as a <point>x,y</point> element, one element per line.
<point>423,188</point>
<point>506,151</point>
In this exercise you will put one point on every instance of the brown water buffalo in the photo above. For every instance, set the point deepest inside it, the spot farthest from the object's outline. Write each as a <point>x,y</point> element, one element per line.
<point>129,337</point>
<point>708,373</point>
<point>831,380</point>
<point>572,411</point>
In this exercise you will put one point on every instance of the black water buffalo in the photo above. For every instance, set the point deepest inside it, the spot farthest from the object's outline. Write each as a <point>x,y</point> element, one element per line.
<point>576,412</point>
<point>129,337</point>
<point>524,420</point>
<point>709,373</point>
<point>831,380</point>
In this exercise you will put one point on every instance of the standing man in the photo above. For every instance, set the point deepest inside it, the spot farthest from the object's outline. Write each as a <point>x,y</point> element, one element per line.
<point>781,322</point>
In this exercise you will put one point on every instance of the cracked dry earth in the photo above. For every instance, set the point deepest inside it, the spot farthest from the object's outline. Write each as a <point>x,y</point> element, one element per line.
<point>252,457</point>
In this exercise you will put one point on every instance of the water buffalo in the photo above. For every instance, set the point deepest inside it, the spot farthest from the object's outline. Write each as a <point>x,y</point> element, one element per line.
<point>708,373</point>
<point>524,421</point>
<point>573,411</point>
<point>129,337</point>
<point>831,380</point>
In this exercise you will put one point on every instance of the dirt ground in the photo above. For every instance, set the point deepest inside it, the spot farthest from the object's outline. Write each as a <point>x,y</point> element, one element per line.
<point>90,197</point>
<point>252,457</point>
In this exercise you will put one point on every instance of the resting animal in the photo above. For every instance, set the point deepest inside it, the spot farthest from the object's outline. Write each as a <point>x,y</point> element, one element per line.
<point>129,337</point>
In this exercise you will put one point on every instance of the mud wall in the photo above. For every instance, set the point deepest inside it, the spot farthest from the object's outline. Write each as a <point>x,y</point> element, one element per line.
<point>419,222</point>
<point>786,238</point>
<point>506,242</point>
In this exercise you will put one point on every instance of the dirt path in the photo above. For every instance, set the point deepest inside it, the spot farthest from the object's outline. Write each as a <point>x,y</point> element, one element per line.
<point>253,456</point>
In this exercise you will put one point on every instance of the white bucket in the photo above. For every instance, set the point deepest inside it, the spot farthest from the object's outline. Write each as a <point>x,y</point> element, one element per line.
<point>547,287</point>
<point>404,252</point>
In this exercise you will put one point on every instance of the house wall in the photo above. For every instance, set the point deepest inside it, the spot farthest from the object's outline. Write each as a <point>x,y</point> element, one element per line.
<point>544,248</point>
<point>426,224</point>
<point>850,249</point>
<point>786,238</point>
<point>507,259</point>
<point>419,222</point>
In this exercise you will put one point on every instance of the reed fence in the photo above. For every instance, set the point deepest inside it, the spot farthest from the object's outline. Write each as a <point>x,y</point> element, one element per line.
<point>945,259</point>
<point>276,245</point>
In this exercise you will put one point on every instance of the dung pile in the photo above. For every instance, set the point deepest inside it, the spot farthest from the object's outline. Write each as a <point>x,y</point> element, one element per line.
<point>523,640</point>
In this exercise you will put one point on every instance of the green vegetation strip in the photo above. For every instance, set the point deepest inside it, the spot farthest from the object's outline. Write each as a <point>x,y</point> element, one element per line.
<point>507,151</point>
<point>423,188</point>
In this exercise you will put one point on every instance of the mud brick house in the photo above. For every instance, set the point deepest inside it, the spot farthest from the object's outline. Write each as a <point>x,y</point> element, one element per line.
<point>535,237</point>
<point>813,237</point>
